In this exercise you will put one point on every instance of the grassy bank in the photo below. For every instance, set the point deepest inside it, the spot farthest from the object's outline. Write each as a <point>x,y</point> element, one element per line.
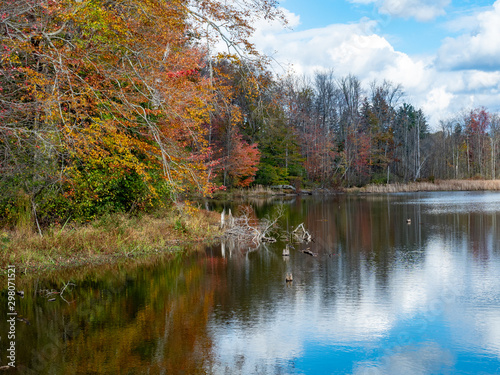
<point>258,191</point>
<point>438,185</point>
<point>111,237</point>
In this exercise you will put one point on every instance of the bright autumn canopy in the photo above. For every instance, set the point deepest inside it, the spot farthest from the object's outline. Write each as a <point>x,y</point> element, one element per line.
<point>108,105</point>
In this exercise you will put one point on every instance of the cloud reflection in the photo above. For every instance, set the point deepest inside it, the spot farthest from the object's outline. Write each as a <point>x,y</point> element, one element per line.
<point>414,312</point>
<point>428,358</point>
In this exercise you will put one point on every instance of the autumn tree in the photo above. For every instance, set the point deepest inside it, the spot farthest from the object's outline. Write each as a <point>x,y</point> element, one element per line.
<point>103,104</point>
<point>477,122</point>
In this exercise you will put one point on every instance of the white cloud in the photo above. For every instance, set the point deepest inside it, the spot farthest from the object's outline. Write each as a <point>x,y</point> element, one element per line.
<point>479,80</point>
<point>427,359</point>
<point>440,85</point>
<point>374,315</point>
<point>477,49</point>
<point>430,358</point>
<point>421,10</point>
<point>348,48</point>
<point>438,100</point>
<point>320,47</point>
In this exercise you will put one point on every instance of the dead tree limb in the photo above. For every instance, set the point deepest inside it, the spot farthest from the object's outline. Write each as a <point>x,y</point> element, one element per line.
<point>244,228</point>
<point>301,234</point>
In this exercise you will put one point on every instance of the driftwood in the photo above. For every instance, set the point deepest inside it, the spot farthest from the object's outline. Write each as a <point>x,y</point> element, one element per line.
<point>309,252</point>
<point>246,229</point>
<point>49,293</point>
<point>301,234</point>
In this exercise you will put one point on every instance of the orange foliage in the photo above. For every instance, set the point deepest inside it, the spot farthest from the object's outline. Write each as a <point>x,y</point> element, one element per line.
<point>117,95</point>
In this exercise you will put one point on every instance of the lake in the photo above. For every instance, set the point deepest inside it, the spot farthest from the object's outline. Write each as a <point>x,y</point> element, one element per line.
<point>379,296</point>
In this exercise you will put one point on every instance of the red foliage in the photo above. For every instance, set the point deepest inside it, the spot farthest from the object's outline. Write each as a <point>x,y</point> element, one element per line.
<point>478,121</point>
<point>243,162</point>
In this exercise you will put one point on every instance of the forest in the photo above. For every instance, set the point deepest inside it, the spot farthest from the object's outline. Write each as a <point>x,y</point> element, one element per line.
<point>122,106</point>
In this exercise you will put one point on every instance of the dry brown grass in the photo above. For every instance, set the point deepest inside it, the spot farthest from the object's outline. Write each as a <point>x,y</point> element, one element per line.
<point>438,185</point>
<point>255,191</point>
<point>114,236</point>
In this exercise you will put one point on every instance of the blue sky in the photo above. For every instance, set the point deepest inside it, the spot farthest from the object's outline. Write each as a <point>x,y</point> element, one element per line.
<point>445,53</point>
<point>406,32</point>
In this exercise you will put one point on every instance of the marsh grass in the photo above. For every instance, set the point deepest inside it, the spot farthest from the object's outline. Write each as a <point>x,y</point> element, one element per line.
<point>116,235</point>
<point>257,191</point>
<point>438,185</point>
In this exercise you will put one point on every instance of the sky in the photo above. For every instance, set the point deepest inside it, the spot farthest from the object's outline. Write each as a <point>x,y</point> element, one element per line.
<point>445,53</point>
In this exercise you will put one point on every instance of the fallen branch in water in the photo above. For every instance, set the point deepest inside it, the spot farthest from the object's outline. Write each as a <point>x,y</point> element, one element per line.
<point>301,234</point>
<point>246,228</point>
<point>49,293</point>
<point>62,291</point>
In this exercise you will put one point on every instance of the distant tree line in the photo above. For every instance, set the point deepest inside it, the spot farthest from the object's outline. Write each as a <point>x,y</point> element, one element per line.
<point>466,146</point>
<point>329,131</point>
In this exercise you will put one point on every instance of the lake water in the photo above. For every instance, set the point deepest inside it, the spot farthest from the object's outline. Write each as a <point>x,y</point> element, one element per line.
<point>381,296</point>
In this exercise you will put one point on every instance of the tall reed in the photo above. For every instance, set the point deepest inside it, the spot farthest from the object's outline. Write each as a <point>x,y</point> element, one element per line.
<point>438,185</point>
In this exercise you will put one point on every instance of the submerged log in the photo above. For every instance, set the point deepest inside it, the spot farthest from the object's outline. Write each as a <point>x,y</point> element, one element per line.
<point>309,252</point>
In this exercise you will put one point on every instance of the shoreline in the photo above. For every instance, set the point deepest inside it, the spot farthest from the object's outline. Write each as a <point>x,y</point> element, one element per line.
<point>116,258</point>
<point>437,185</point>
<point>107,240</point>
<point>119,237</point>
